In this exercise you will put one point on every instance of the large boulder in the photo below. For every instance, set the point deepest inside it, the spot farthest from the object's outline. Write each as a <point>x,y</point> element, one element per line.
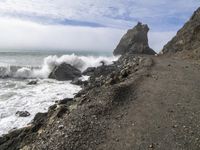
<point>135,41</point>
<point>65,72</point>
<point>100,71</point>
<point>187,38</point>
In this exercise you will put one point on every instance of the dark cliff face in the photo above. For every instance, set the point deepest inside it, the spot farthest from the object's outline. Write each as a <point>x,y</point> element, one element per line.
<point>187,38</point>
<point>135,41</point>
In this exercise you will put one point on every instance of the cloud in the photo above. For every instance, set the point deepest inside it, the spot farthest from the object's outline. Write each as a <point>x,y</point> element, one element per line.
<point>88,24</point>
<point>117,14</point>
<point>17,34</point>
<point>28,35</point>
<point>158,39</point>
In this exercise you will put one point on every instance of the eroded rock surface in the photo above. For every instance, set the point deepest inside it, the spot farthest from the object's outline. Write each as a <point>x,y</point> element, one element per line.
<point>22,113</point>
<point>187,38</point>
<point>135,41</point>
<point>65,72</point>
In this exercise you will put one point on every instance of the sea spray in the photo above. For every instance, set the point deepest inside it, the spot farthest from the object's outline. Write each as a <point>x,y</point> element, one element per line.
<point>43,71</point>
<point>17,95</point>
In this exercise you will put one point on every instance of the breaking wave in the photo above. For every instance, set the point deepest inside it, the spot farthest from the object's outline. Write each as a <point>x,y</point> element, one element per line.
<point>43,71</point>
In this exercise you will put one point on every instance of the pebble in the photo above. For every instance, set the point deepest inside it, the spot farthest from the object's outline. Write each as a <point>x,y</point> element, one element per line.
<point>60,127</point>
<point>175,126</point>
<point>151,145</point>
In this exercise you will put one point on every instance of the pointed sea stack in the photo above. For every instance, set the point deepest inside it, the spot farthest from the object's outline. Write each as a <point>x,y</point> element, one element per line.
<point>187,38</point>
<point>135,41</point>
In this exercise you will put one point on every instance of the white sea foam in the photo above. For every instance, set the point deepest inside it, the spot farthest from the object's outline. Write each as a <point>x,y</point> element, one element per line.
<point>16,95</point>
<point>23,73</point>
<point>79,62</point>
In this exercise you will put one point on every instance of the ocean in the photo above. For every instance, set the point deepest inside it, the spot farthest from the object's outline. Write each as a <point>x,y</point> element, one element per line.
<point>18,68</point>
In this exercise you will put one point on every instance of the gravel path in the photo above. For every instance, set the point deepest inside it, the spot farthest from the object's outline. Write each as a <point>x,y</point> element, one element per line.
<point>165,115</point>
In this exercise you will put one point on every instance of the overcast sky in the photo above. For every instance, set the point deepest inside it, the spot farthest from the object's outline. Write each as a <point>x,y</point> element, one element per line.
<point>87,24</point>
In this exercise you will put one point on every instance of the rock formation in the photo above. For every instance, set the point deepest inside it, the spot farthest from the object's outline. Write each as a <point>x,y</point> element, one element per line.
<point>65,72</point>
<point>89,71</point>
<point>188,37</point>
<point>22,113</point>
<point>100,70</point>
<point>135,41</point>
<point>33,82</point>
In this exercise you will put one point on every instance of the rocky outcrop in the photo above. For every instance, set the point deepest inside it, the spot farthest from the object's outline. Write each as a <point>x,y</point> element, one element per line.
<point>33,82</point>
<point>100,70</point>
<point>78,81</point>
<point>65,72</point>
<point>22,113</point>
<point>103,70</point>
<point>135,41</point>
<point>89,71</point>
<point>187,38</point>
<point>117,72</point>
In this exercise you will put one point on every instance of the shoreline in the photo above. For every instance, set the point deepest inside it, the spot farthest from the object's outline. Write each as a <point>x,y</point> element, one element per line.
<point>41,95</point>
<point>80,103</point>
<point>142,101</point>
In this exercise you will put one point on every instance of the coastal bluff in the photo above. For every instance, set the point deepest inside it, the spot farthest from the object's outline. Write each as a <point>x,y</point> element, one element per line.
<point>141,102</point>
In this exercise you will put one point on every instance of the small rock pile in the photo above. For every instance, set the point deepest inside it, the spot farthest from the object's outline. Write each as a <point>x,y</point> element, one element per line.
<point>121,69</point>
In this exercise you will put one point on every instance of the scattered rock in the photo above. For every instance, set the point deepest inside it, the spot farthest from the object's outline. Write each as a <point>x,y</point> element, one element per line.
<point>39,118</point>
<point>78,81</point>
<point>89,71</point>
<point>151,146</point>
<point>34,82</point>
<point>100,71</point>
<point>104,70</point>
<point>64,101</point>
<point>147,62</point>
<point>124,73</point>
<point>22,113</point>
<point>135,41</point>
<point>65,72</point>
<point>61,110</point>
<point>60,127</point>
<point>102,63</point>
<point>175,126</point>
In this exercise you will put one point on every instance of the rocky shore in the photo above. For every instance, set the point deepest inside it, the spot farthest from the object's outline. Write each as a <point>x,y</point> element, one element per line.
<point>75,123</point>
<point>141,101</point>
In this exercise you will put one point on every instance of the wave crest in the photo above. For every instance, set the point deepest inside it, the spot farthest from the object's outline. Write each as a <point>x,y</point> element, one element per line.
<point>79,62</point>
